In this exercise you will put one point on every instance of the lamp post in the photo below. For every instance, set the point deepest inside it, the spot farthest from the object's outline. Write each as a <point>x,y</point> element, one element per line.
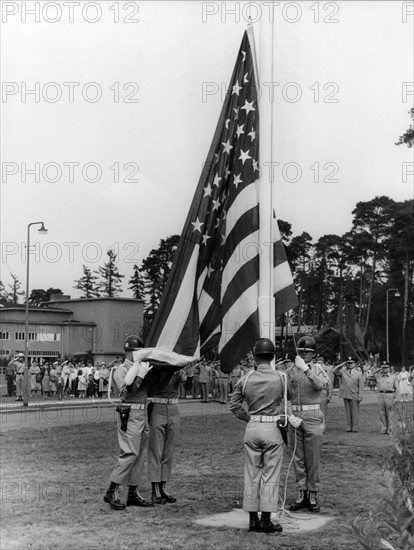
<point>397,294</point>
<point>42,231</point>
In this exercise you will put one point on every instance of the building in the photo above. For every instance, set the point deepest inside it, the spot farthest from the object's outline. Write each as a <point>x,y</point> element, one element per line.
<point>64,328</point>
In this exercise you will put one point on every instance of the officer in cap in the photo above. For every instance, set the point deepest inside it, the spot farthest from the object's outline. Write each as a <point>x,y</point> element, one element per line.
<point>262,390</point>
<point>18,365</point>
<point>387,385</point>
<point>306,438</point>
<point>132,427</point>
<point>351,391</point>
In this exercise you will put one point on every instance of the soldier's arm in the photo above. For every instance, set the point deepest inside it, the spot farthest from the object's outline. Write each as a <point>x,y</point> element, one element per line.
<point>316,380</point>
<point>236,403</point>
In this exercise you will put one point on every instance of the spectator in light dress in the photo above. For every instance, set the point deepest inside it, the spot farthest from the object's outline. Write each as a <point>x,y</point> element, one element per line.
<point>81,384</point>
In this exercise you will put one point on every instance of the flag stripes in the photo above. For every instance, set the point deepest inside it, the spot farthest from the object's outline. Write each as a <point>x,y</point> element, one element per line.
<point>211,296</point>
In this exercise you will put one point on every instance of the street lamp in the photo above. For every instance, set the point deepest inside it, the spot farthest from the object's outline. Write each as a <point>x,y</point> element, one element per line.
<point>397,295</point>
<point>42,231</point>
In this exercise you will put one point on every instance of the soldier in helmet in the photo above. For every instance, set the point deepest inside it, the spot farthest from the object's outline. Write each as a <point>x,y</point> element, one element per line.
<point>262,389</point>
<point>132,427</point>
<point>306,439</point>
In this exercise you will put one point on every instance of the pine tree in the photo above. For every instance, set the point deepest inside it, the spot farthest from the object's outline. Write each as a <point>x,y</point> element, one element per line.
<point>110,283</point>
<point>137,284</point>
<point>87,284</point>
<point>15,292</point>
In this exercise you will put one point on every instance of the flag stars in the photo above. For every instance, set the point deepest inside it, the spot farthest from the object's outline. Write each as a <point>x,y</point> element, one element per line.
<point>216,180</point>
<point>205,239</point>
<point>244,56</point>
<point>252,134</point>
<point>197,225</point>
<point>227,146</point>
<point>244,155</point>
<point>227,172</point>
<point>236,110</point>
<point>245,79</point>
<point>236,88</point>
<point>237,180</point>
<point>216,205</point>
<point>255,165</point>
<point>240,130</point>
<point>207,191</point>
<point>248,106</point>
<point>226,124</point>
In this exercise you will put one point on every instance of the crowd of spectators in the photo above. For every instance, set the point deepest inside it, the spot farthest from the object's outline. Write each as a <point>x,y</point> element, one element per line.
<point>64,380</point>
<point>201,379</point>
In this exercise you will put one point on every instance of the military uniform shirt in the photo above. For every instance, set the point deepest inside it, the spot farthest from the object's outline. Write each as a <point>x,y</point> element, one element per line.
<point>306,386</point>
<point>136,392</point>
<point>264,395</point>
<point>386,382</point>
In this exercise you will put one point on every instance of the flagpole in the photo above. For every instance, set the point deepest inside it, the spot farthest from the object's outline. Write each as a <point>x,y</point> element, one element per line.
<point>265,69</point>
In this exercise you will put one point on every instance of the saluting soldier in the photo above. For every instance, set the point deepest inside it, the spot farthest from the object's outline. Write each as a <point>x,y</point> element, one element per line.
<point>387,385</point>
<point>18,365</point>
<point>306,439</point>
<point>132,427</point>
<point>262,390</point>
<point>351,390</point>
<point>164,425</point>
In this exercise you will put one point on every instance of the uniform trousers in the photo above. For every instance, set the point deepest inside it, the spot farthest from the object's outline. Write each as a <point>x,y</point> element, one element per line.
<point>385,402</point>
<point>263,454</point>
<point>163,431</point>
<point>223,390</point>
<point>307,449</point>
<point>133,444</point>
<point>19,385</point>
<point>352,413</point>
<point>324,402</point>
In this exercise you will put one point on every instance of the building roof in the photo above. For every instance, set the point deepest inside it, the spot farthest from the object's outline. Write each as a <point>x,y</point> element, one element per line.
<point>100,299</point>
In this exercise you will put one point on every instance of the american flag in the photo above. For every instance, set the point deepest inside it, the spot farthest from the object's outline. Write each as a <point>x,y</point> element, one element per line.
<point>211,297</point>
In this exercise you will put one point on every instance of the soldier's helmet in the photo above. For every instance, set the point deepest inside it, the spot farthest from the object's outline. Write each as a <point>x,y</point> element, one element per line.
<point>264,346</point>
<point>132,343</point>
<point>306,343</point>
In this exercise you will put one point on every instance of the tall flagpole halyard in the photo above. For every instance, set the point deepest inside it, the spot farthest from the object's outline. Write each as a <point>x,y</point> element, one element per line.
<point>265,69</point>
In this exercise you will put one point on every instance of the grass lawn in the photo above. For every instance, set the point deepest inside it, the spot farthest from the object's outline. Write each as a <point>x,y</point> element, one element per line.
<point>53,481</point>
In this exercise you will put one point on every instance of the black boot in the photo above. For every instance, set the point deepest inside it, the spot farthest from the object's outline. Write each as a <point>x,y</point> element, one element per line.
<point>267,526</point>
<point>254,522</point>
<point>112,497</point>
<point>301,502</point>
<point>313,505</point>
<point>156,495</point>
<point>135,499</point>
<point>167,497</point>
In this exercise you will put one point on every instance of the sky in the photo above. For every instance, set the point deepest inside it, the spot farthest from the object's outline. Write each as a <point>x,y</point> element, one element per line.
<point>109,108</point>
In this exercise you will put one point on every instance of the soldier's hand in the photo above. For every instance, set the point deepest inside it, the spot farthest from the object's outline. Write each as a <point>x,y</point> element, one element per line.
<point>132,373</point>
<point>300,363</point>
<point>294,421</point>
<point>144,368</point>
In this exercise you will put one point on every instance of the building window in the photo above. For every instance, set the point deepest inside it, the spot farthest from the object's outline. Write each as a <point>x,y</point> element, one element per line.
<point>4,336</point>
<point>50,337</point>
<point>40,353</point>
<point>4,352</point>
<point>32,336</point>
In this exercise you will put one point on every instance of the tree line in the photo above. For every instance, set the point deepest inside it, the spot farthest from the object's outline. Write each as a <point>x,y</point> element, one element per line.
<point>363,268</point>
